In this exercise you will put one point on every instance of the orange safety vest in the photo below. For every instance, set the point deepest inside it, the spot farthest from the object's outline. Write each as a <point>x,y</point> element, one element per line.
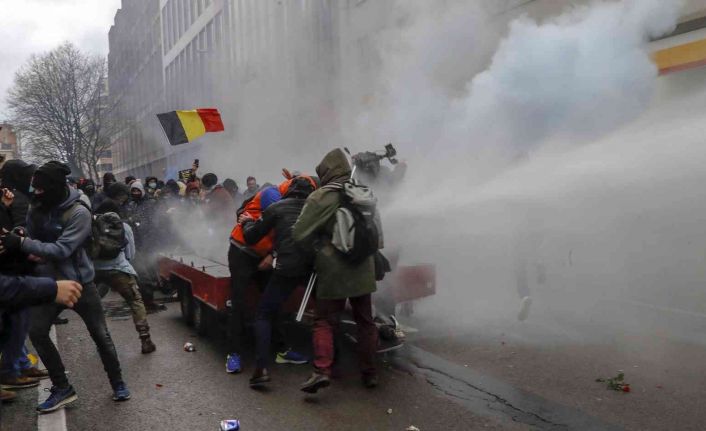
<point>254,209</point>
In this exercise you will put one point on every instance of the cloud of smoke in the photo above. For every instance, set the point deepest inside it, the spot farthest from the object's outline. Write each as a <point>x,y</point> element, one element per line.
<point>545,169</point>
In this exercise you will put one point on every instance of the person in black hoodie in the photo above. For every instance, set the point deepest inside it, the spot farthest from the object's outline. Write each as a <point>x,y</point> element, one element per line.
<point>58,226</point>
<point>108,180</point>
<point>291,269</point>
<point>16,371</point>
<point>16,176</point>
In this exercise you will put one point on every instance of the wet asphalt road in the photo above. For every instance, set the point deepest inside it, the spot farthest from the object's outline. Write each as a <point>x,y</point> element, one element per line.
<point>498,376</point>
<point>176,390</point>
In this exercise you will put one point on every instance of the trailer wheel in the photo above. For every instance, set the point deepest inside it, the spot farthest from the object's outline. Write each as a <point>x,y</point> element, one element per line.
<point>201,317</point>
<point>186,301</point>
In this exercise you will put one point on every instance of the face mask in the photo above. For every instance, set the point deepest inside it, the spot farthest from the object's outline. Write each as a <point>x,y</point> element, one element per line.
<point>48,199</point>
<point>136,197</point>
<point>152,185</point>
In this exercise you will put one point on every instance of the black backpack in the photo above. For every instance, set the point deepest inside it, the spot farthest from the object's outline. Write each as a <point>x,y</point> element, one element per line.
<point>108,238</point>
<point>357,232</point>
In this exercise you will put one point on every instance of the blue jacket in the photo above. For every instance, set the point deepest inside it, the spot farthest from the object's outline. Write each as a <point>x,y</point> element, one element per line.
<point>17,293</point>
<point>20,292</point>
<point>59,241</point>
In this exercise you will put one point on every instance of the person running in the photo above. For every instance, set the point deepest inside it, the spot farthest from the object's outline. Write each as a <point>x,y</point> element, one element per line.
<point>121,276</point>
<point>58,227</point>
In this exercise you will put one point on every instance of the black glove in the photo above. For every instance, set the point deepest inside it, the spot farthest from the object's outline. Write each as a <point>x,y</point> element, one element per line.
<point>19,230</point>
<point>10,243</point>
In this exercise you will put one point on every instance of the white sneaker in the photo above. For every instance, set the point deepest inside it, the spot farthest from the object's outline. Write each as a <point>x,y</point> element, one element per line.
<point>524,308</point>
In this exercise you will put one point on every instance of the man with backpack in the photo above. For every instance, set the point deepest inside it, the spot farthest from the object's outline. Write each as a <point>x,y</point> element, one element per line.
<point>340,277</point>
<point>112,247</point>
<point>58,227</point>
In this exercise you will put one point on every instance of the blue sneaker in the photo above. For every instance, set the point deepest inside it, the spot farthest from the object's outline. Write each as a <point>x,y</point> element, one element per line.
<point>120,392</point>
<point>291,357</point>
<point>58,399</point>
<point>233,363</point>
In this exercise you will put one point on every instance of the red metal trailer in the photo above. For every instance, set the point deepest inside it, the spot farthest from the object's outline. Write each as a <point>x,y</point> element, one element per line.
<point>203,286</point>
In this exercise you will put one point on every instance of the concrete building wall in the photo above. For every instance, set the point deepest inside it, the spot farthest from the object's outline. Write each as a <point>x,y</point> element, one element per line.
<point>9,144</point>
<point>136,84</point>
<point>185,54</point>
<point>226,53</point>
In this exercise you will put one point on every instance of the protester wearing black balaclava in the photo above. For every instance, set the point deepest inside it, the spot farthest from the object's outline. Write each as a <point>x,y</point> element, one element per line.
<point>49,183</point>
<point>108,180</point>
<point>57,229</point>
<point>16,176</point>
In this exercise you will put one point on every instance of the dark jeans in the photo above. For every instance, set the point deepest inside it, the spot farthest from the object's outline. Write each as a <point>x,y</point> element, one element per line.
<point>14,347</point>
<point>268,317</point>
<point>328,314</point>
<point>243,268</point>
<point>90,310</point>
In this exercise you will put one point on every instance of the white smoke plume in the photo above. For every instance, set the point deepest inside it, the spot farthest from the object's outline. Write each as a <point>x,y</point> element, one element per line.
<point>545,166</point>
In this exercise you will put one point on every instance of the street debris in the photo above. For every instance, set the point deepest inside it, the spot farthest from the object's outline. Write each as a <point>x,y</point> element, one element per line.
<point>389,411</point>
<point>230,425</point>
<point>159,385</point>
<point>616,383</point>
<point>412,428</point>
<point>189,347</point>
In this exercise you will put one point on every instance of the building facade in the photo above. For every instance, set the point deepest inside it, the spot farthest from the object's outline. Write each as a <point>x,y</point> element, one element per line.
<point>293,60</point>
<point>136,85</point>
<point>9,144</point>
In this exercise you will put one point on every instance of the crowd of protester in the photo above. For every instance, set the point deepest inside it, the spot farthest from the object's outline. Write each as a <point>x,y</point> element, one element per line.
<point>63,237</point>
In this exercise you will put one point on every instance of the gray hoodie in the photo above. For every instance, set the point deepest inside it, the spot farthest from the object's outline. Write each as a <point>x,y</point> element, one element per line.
<point>57,237</point>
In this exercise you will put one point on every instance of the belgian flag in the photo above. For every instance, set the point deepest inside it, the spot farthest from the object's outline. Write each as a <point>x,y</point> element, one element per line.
<point>182,127</point>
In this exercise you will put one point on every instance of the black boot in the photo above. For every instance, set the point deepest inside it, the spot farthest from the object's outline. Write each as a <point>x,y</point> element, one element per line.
<point>147,344</point>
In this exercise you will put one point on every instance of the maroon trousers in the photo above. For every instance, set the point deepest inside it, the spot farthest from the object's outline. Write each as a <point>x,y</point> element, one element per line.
<point>328,314</point>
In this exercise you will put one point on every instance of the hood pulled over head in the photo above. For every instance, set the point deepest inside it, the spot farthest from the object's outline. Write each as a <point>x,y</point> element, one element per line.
<point>334,167</point>
<point>50,178</point>
<point>17,175</point>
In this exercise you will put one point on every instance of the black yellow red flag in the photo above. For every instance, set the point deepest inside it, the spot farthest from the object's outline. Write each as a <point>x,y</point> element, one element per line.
<point>182,127</point>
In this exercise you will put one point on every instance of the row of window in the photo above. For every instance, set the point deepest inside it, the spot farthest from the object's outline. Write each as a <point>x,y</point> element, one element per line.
<point>178,16</point>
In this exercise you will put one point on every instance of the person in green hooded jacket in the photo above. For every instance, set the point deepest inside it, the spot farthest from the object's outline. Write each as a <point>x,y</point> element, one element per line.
<point>338,280</point>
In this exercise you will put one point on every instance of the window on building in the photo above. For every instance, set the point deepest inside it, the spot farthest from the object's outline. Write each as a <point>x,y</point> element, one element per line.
<point>106,154</point>
<point>105,167</point>
<point>6,146</point>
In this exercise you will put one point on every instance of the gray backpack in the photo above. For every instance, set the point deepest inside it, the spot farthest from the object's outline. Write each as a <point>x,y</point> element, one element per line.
<point>357,232</point>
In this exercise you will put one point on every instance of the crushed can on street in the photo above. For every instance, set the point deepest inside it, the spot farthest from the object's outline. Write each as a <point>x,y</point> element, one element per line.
<point>230,425</point>
<point>189,347</point>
